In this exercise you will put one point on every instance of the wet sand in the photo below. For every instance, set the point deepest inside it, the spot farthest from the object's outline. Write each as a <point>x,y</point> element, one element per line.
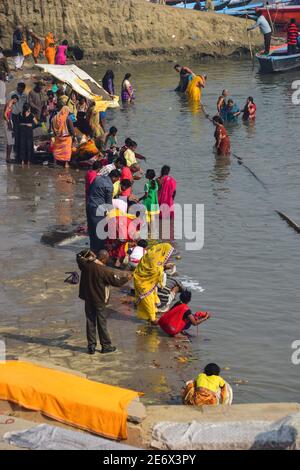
<point>43,319</point>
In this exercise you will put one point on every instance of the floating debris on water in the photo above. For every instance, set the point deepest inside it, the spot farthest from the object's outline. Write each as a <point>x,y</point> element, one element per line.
<point>191,284</point>
<point>141,333</point>
<point>182,359</point>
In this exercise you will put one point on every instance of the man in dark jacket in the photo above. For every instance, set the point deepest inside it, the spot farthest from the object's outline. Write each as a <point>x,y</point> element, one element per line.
<point>99,201</point>
<point>17,47</point>
<point>96,279</point>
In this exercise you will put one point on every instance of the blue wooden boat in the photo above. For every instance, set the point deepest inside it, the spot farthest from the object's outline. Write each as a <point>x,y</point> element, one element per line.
<point>278,60</point>
<point>245,10</point>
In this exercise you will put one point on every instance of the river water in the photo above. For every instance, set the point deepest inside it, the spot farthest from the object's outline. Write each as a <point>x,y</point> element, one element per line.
<point>249,265</point>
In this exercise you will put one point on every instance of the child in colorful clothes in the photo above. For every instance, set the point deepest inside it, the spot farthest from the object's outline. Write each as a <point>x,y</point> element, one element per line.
<point>208,388</point>
<point>150,198</point>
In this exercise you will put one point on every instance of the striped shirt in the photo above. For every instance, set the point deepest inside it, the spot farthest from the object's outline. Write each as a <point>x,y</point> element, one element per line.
<point>292,34</point>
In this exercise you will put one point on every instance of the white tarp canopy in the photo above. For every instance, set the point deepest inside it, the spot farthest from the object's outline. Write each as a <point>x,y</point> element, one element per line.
<point>80,82</point>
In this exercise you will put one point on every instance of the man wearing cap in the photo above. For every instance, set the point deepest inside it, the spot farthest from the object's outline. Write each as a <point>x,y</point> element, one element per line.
<point>265,29</point>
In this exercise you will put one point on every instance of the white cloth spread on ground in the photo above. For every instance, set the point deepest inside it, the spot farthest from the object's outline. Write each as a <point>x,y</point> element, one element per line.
<point>45,437</point>
<point>283,434</point>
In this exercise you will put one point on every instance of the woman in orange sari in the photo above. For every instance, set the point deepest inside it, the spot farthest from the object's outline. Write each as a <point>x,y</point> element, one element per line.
<point>50,49</point>
<point>63,130</point>
<point>222,140</point>
<point>37,46</point>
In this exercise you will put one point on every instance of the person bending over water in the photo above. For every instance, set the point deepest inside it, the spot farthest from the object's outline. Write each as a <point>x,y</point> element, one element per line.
<point>222,145</point>
<point>194,88</point>
<point>148,275</point>
<point>185,74</point>
<point>208,388</point>
<point>179,318</point>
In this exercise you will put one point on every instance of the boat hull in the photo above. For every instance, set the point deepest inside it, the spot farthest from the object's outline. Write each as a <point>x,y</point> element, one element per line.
<point>278,61</point>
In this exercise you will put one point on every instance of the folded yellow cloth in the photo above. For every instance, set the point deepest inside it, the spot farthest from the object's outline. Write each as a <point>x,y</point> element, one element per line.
<point>92,406</point>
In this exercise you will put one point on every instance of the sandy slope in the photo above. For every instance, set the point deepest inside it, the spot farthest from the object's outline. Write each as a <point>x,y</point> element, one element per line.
<point>128,29</point>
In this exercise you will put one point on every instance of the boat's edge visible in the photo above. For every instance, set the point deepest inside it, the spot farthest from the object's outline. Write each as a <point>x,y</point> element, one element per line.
<point>268,63</point>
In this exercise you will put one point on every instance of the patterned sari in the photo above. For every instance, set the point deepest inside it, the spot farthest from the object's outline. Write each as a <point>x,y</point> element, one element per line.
<point>191,395</point>
<point>148,275</point>
<point>222,141</point>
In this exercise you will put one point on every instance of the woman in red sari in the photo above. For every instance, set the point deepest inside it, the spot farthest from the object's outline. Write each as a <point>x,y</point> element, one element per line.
<point>222,140</point>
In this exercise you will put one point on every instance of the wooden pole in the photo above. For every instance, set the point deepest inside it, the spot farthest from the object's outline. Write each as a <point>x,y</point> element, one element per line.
<point>249,39</point>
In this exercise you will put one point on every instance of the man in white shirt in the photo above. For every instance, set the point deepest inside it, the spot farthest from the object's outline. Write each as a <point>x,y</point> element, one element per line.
<point>265,29</point>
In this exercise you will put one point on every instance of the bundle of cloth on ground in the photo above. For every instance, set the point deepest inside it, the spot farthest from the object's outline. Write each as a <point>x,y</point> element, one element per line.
<point>45,437</point>
<point>79,402</point>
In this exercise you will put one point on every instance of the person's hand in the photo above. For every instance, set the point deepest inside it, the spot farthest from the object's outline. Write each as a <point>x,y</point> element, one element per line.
<point>129,276</point>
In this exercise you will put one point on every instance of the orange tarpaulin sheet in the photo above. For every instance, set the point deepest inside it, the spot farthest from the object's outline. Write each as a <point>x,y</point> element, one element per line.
<point>95,407</point>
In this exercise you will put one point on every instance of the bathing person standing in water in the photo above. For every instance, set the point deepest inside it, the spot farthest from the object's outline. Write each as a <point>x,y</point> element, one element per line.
<point>222,145</point>
<point>249,112</point>
<point>222,103</point>
<point>108,82</point>
<point>127,90</point>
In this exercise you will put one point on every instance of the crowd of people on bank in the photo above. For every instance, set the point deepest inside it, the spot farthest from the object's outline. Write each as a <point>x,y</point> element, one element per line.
<point>78,135</point>
<point>160,299</point>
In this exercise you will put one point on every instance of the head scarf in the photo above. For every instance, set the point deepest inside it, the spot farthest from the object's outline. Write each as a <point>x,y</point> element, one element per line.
<point>59,122</point>
<point>150,270</point>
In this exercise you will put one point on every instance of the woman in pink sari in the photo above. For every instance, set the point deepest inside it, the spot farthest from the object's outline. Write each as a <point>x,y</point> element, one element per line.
<point>166,195</point>
<point>61,53</point>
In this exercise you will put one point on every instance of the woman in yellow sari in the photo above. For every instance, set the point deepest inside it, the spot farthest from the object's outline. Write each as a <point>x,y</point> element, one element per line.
<point>93,120</point>
<point>50,49</point>
<point>147,276</point>
<point>194,88</point>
